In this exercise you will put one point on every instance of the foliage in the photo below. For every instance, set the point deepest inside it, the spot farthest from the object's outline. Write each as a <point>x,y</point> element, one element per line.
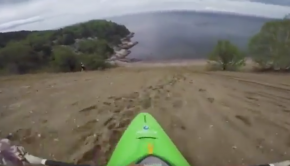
<point>107,30</point>
<point>270,48</point>
<point>95,46</point>
<point>65,60</point>
<point>226,56</point>
<point>12,36</point>
<point>94,62</point>
<point>19,58</point>
<point>60,50</point>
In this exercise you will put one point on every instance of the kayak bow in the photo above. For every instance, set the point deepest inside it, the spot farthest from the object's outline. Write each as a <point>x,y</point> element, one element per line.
<point>144,141</point>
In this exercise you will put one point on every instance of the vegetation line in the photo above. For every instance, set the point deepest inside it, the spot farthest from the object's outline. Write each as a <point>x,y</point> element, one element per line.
<point>269,49</point>
<point>60,50</point>
<point>92,44</point>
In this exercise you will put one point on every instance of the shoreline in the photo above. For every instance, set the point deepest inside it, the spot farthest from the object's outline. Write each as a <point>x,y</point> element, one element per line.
<point>122,50</point>
<point>163,63</point>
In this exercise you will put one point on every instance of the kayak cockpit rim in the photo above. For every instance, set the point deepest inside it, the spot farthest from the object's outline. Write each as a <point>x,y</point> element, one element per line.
<point>161,159</point>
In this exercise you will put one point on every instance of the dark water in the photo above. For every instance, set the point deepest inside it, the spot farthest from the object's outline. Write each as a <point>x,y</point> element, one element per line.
<point>186,35</point>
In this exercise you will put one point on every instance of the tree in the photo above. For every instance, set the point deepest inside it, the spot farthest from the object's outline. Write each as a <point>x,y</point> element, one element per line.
<point>96,46</point>
<point>39,42</point>
<point>87,46</point>
<point>19,58</point>
<point>65,60</point>
<point>94,62</point>
<point>55,49</point>
<point>227,56</point>
<point>66,39</point>
<point>270,48</point>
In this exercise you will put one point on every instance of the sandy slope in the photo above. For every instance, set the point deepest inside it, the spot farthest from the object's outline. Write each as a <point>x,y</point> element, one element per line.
<point>214,118</point>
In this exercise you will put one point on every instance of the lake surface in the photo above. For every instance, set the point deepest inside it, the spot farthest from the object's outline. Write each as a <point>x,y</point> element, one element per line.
<point>186,35</point>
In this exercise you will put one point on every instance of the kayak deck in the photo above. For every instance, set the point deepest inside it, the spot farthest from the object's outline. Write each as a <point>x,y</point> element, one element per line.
<point>144,137</point>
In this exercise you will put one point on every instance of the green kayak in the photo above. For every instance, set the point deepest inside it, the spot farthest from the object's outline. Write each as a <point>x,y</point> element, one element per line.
<point>145,142</point>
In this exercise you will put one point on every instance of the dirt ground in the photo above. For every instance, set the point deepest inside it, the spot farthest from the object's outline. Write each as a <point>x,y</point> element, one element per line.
<point>215,118</point>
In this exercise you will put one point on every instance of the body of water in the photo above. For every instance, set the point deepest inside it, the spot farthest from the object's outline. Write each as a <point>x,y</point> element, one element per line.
<point>186,35</point>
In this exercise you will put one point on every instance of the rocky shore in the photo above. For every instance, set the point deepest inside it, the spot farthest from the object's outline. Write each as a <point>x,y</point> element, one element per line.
<point>123,50</point>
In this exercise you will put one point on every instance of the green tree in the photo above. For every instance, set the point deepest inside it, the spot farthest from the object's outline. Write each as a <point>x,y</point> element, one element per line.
<point>87,46</point>
<point>270,48</point>
<point>19,58</point>
<point>29,51</point>
<point>40,42</point>
<point>94,62</point>
<point>99,47</point>
<point>65,60</point>
<point>66,39</point>
<point>227,56</point>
